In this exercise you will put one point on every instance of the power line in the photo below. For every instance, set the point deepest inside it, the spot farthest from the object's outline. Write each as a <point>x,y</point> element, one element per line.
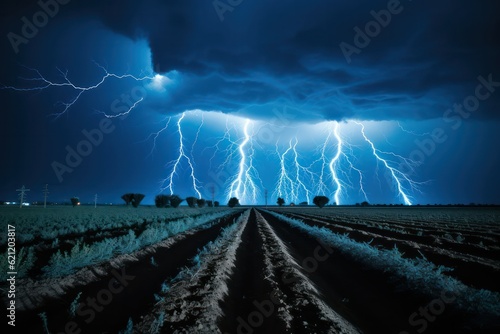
<point>22,194</point>
<point>45,195</point>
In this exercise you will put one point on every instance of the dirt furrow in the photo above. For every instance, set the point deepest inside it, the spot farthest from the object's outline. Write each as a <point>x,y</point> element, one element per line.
<point>304,309</point>
<point>363,296</point>
<point>471,269</point>
<point>121,293</point>
<point>247,307</point>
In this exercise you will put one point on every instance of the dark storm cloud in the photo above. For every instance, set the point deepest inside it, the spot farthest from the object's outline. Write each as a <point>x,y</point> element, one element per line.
<point>266,55</point>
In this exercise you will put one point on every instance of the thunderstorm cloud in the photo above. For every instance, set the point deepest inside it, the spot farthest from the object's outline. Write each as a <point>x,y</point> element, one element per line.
<point>321,60</point>
<point>308,56</point>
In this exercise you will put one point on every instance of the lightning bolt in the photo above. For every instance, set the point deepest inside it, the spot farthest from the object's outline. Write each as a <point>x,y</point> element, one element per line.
<point>156,134</point>
<point>360,173</point>
<point>136,103</point>
<point>321,186</point>
<point>182,155</point>
<point>398,176</point>
<point>195,141</point>
<point>285,185</point>
<point>288,187</point>
<point>44,83</point>
<point>301,170</point>
<point>334,165</point>
<point>243,186</point>
<point>412,132</point>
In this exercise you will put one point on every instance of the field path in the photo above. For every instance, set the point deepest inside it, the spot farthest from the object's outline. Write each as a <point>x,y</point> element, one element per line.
<point>256,271</point>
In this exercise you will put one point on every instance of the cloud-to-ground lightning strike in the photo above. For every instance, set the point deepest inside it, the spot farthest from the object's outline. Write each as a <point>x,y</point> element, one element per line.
<point>334,165</point>
<point>293,189</point>
<point>80,90</point>
<point>285,186</point>
<point>320,185</point>
<point>243,185</point>
<point>295,181</point>
<point>175,164</point>
<point>299,171</point>
<point>397,176</point>
<point>360,173</point>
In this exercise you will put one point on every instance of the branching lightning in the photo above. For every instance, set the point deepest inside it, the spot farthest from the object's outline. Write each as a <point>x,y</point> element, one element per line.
<point>293,189</point>
<point>244,186</point>
<point>397,176</point>
<point>301,172</point>
<point>156,134</point>
<point>285,187</point>
<point>44,83</point>
<point>334,165</point>
<point>330,173</point>
<point>175,164</point>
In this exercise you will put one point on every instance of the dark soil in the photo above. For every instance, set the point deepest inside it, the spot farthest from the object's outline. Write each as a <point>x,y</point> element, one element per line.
<point>142,281</point>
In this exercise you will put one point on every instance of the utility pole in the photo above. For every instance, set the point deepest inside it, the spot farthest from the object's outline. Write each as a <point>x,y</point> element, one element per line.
<point>95,201</point>
<point>212,191</point>
<point>22,193</point>
<point>45,195</point>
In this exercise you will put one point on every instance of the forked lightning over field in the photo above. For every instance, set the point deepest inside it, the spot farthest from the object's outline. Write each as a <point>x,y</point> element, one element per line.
<point>236,166</point>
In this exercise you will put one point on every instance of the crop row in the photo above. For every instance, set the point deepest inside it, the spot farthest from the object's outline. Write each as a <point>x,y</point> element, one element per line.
<point>81,255</point>
<point>57,222</point>
<point>417,273</point>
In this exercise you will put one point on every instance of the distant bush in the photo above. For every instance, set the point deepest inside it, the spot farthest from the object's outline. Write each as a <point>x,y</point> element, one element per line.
<point>201,202</point>
<point>216,204</point>
<point>134,199</point>
<point>280,201</point>
<point>233,201</point>
<point>321,201</point>
<point>191,201</point>
<point>175,201</point>
<point>127,198</point>
<point>365,203</point>
<point>137,199</point>
<point>162,201</point>
<point>75,201</point>
<point>210,204</point>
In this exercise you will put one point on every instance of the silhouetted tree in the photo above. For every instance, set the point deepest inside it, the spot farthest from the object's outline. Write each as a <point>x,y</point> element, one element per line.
<point>191,201</point>
<point>162,201</point>
<point>280,201</point>
<point>75,201</point>
<point>216,204</point>
<point>137,199</point>
<point>201,202</point>
<point>233,201</point>
<point>127,198</point>
<point>321,201</point>
<point>175,201</point>
<point>210,204</point>
<point>365,203</point>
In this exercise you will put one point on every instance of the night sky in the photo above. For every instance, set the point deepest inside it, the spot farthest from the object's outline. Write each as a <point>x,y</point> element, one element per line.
<point>263,93</point>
